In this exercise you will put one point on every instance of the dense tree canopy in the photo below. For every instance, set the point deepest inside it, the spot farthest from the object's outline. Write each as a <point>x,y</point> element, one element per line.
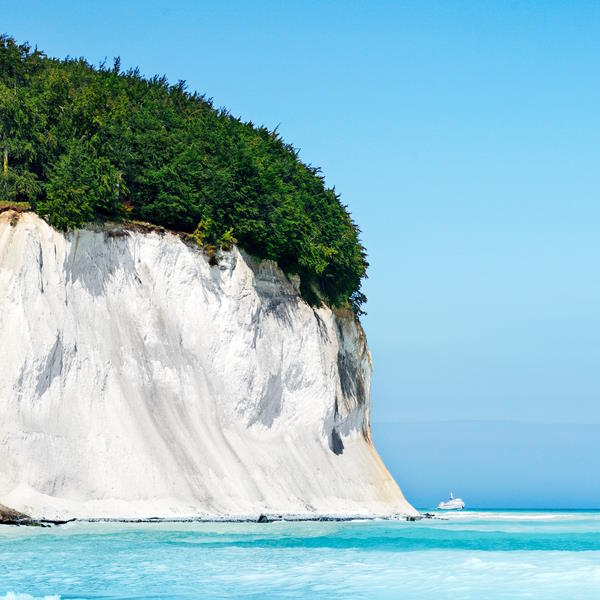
<point>82,143</point>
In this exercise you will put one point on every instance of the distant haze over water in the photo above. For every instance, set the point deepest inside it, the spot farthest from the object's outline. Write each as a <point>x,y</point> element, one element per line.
<point>492,464</point>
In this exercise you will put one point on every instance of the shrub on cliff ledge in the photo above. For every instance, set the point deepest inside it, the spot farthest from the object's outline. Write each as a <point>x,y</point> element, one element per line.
<point>81,143</point>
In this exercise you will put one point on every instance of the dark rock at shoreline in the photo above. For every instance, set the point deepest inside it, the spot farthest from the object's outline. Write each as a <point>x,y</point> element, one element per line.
<point>48,522</point>
<point>10,516</point>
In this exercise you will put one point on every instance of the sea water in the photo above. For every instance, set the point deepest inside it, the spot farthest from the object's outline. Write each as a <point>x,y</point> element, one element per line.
<point>471,555</point>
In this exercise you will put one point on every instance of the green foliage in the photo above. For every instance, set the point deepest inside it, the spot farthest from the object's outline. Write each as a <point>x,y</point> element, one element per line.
<point>227,240</point>
<point>204,231</point>
<point>18,186</point>
<point>18,206</point>
<point>85,143</point>
<point>81,186</point>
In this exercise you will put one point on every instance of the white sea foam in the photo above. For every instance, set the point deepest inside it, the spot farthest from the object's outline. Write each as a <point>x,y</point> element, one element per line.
<point>13,596</point>
<point>472,515</point>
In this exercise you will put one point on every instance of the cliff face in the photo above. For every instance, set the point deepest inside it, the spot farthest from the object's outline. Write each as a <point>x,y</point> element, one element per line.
<point>137,380</point>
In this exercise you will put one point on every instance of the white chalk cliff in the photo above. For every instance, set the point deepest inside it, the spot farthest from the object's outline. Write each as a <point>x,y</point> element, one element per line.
<point>137,380</point>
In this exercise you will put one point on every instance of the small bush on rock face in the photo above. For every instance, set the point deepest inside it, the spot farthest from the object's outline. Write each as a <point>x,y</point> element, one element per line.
<point>81,143</point>
<point>204,231</point>
<point>227,240</point>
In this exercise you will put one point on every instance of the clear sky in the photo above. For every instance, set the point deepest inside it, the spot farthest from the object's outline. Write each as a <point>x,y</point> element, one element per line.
<point>465,138</point>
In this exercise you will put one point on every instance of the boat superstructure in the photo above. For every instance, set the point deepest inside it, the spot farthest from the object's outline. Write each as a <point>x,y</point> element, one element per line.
<point>452,504</point>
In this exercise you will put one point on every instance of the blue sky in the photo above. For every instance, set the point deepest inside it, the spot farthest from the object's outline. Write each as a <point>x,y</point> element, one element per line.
<point>465,139</point>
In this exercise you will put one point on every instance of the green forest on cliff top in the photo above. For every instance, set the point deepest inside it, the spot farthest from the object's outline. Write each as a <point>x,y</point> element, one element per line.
<point>82,143</point>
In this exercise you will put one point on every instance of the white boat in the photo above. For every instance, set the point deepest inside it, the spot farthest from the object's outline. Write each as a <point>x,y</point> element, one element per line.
<point>452,504</point>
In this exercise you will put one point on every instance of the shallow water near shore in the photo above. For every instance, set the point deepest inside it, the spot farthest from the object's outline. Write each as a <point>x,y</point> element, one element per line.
<point>471,555</point>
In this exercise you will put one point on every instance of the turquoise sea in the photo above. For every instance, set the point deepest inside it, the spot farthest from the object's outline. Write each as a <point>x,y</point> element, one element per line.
<point>471,555</point>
